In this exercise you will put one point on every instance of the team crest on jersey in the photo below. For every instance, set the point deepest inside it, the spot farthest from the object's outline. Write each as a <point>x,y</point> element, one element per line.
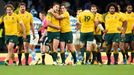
<point>115,17</point>
<point>5,18</point>
<point>12,18</point>
<point>26,16</point>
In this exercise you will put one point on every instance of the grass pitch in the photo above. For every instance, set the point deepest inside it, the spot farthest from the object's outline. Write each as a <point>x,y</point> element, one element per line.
<point>68,70</point>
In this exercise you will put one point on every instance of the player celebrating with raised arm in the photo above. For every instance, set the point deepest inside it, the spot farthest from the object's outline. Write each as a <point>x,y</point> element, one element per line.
<point>11,21</point>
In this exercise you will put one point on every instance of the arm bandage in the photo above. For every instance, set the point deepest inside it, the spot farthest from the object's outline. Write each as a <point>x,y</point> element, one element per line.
<point>100,27</point>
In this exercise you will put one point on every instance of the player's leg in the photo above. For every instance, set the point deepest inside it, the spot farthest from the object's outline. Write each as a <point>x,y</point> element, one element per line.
<point>55,45</point>
<point>10,46</point>
<point>69,42</point>
<point>108,39</point>
<point>127,44</point>
<point>116,40</point>
<point>115,52</point>
<point>132,46</point>
<point>26,49</point>
<point>121,45</point>
<point>43,44</point>
<point>76,43</point>
<point>89,45</point>
<point>62,47</point>
<point>55,48</point>
<point>82,45</point>
<point>98,45</point>
<point>33,43</point>
<point>94,52</point>
<point>19,48</point>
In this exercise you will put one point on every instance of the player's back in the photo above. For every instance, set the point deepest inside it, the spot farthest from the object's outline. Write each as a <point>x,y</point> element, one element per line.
<point>86,18</point>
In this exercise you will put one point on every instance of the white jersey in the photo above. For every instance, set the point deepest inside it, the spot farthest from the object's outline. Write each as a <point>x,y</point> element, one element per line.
<point>37,24</point>
<point>73,22</point>
<point>76,34</point>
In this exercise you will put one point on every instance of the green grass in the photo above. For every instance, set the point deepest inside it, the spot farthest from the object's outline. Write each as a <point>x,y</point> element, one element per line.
<point>68,70</point>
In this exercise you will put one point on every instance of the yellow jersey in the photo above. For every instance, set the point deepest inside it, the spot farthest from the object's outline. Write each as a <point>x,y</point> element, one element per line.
<point>27,19</point>
<point>86,18</point>
<point>121,23</point>
<point>11,24</point>
<point>113,22</point>
<point>65,23</point>
<point>54,21</point>
<point>19,30</point>
<point>0,20</point>
<point>130,22</point>
<point>98,17</point>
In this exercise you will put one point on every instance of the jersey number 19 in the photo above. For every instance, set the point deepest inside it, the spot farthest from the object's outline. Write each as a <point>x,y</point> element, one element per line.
<point>86,18</point>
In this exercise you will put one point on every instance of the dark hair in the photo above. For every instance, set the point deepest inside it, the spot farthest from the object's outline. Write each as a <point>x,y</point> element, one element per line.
<point>43,12</point>
<point>55,3</point>
<point>9,5</point>
<point>79,9</point>
<point>93,5</point>
<point>87,6</point>
<point>63,5</point>
<point>129,5</point>
<point>112,4</point>
<point>22,3</point>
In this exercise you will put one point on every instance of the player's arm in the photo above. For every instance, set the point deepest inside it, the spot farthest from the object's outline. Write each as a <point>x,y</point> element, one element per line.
<point>49,23</point>
<point>78,25</point>
<point>56,15</point>
<point>32,26</point>
<point>23,29</point>
<point>53,26</point>
<point>0,20</point>
<point>124,27</point>
<point>43,35</point>
<point>133,29</point>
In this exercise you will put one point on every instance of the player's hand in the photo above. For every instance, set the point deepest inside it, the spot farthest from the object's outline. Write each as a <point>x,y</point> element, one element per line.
<point>34,36</point>
<point>41,39</point>
<point>50,10</point>
<point>119,28</point>
<point>103,36</point>
<point>105,31</point>
<point>58,27</point>
<point>24,36</point>
<point>122,35</point>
